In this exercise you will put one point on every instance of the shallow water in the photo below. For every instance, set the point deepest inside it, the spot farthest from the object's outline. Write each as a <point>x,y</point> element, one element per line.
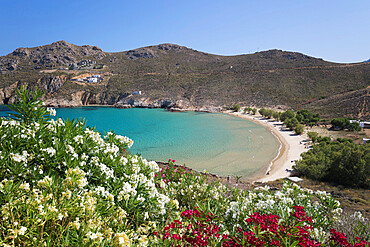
<point>215,142</point>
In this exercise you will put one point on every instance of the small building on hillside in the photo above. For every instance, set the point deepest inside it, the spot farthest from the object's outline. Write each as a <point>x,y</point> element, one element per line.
<point>137,93</point>
<point>366,125</point>
<point>96,76</point>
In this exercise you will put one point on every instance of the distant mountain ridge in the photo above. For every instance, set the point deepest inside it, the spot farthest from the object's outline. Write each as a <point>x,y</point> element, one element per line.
<point>170,75</point>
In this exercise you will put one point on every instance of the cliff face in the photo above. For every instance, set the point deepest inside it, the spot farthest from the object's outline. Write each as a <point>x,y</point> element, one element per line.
<point>52,83</point>
<point>7,93</point>
<point>175,76</point>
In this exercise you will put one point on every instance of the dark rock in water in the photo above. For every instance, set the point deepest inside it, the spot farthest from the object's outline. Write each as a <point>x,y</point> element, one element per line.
<point>167,104</point>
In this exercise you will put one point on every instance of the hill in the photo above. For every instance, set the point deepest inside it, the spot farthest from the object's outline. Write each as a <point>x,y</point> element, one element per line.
<point>177,76</point>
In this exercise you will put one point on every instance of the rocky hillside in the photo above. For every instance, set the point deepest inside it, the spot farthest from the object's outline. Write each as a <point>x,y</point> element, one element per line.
<point>170,75</point>
<point>57,54</point>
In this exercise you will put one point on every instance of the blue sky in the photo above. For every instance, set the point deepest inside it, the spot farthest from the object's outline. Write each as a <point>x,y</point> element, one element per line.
<point>334,30</point>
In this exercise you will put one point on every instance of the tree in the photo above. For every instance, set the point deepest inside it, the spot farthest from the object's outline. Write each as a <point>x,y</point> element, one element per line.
<point>313,136</point>
<point>276,115</point>
<point>262,111</point>
<point>344,123</point>
<point>305,116</point>
<point>247,109</point>
<point>325,139</point>
<point>291,123</point>
<point>287,114</point>
<point>269,113</point>
<point>254,110</point>
<point>299,129</point>
<point>344,163</point>
<point>341,140</point>
<point>355,126</point>
<point>236,108</point>
<point>340,123</point>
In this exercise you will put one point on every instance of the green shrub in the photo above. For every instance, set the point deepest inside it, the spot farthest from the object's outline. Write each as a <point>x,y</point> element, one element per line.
<point>287,114</point>
<point>307,117</point>
<point>313,136</point>
<point>254,111</point>
<point>236,108</point>
<point>343,163</point>
<point>299,129</point>
<point>340,123</point>
<point>291,123</point>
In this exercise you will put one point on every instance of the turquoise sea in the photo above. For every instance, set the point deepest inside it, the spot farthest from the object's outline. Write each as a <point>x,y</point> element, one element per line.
<point>215,142</point>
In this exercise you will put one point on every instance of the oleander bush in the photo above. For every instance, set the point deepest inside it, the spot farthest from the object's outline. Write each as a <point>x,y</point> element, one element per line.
<point>64,184</point>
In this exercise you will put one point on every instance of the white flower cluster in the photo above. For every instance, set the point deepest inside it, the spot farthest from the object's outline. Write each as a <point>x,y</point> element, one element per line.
<point>95,136</point>
<point>20,157</point>
<point>125,140</point>
<point>54,124</point>
<point>79,139</point>
<point>50,150</point>
<point>51,111</point>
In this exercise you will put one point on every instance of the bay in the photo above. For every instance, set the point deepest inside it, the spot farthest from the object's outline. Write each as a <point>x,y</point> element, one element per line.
<point>216,142</point>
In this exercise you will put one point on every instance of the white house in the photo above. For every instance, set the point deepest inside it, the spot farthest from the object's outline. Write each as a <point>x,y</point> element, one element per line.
<point>93,79</point>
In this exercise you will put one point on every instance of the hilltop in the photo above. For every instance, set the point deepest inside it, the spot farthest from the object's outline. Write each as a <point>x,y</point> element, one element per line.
<point>170,75</point>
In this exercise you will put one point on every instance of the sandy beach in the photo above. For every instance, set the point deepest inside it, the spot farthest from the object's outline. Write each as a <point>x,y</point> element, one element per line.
<point>291,147</point>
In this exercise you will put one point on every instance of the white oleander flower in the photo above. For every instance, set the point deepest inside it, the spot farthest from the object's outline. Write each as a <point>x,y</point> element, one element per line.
<point>123,239</point>
<point>25,186</point>
<point>51,111</point>
<point>51,151</point>
<point>79,139</point>
<point>22,231</point>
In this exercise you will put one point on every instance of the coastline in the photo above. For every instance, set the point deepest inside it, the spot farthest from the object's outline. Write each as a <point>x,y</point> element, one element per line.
<point>291,147</point>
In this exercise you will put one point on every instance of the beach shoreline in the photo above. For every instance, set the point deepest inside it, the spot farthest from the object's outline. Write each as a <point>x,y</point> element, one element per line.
<point>291,147</point>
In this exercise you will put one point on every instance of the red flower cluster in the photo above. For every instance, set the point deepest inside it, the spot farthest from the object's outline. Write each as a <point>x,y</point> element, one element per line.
<point>300,214</point>
<point>267,231</point>
<point>341,239</point>
<point>201,229</point>
<point>172,173</point>
<point>198,232</point>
